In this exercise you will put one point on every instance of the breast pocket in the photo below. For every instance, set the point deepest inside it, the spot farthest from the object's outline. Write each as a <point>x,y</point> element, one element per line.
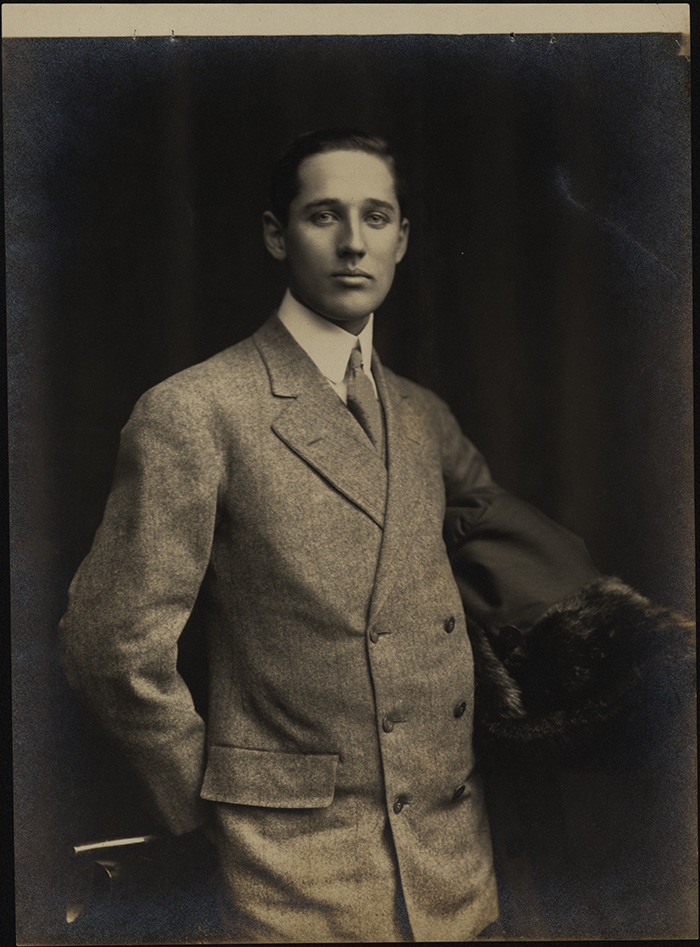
<point>269,778</point>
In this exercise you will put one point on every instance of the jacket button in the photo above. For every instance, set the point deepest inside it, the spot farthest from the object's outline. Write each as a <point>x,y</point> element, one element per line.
<point>373,636</point>
<point>459,792</point>
<point>387,725</point>
<point>460,708</point>
<point>450,624</point>
<point>399,803</point>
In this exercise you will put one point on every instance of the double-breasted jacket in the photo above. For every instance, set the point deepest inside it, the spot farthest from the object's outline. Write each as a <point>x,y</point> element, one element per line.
<point>336,760</point>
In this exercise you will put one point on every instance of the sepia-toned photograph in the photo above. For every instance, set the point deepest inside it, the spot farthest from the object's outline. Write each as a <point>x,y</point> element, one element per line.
<point>351,476</point>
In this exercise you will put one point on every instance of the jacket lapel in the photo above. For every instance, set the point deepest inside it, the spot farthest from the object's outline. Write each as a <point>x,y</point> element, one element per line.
<point>315,424</point>
<point>404,500</point>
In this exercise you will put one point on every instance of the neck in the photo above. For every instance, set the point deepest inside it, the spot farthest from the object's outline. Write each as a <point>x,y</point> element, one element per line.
<point>353,326</point>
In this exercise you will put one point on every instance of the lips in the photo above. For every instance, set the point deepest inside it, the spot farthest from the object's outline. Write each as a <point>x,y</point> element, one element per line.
<point>352,274</point>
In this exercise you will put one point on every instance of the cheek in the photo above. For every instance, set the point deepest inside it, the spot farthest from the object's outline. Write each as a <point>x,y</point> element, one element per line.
<point>310,254</point>
<point>388,253</point>
<point>302,264</point>
<point>388,264</point>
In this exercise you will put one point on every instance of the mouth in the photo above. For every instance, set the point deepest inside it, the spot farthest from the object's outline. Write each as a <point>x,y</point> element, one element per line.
<point>351,277</point>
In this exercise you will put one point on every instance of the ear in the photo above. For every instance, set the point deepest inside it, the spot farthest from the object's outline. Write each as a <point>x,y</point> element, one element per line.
<point>402,244</point>
<point>273,235</point>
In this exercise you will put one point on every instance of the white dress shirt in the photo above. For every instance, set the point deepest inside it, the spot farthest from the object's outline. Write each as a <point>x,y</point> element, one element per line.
<point>326,344</point>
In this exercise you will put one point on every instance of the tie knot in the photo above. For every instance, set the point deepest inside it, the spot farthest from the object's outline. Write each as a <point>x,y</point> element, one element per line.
<point>356,360</point>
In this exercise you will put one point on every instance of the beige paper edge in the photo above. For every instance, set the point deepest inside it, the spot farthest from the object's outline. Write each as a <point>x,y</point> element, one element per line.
<point>281,19</point>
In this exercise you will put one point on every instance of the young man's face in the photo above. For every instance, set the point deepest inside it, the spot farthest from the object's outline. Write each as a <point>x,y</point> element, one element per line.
<point>344,237</point>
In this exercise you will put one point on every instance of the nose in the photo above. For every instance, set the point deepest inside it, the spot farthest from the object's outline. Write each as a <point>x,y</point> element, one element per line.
<point>351,241</point>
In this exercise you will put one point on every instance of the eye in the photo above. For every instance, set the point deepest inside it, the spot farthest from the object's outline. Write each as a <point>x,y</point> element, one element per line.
<point>323,217</point>
<point>377,220</point>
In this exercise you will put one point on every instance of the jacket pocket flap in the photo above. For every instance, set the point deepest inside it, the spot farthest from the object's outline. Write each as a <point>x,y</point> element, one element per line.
<point>269,778</point>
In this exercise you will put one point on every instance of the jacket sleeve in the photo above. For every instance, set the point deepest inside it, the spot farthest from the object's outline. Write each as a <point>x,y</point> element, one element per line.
<point>463,465</point>
<point>134,592</point>
<point>565,658</point>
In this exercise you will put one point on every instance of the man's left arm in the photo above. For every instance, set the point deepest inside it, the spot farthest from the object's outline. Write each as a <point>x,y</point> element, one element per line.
<point>561,651</point>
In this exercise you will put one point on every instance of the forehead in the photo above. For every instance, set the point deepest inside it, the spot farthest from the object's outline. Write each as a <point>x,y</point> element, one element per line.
<point>352,176</point>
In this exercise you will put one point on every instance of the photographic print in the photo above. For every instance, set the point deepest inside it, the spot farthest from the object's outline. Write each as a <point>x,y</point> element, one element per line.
<point>351,473</point>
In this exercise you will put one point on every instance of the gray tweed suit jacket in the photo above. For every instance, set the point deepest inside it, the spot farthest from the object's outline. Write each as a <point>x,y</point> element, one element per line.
<point>337,755</point>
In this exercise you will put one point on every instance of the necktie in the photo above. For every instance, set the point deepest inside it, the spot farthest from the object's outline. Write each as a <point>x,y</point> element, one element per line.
<point>362,402</point>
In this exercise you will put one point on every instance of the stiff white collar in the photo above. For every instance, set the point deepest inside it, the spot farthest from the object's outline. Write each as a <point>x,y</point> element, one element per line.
<point>326,344</point>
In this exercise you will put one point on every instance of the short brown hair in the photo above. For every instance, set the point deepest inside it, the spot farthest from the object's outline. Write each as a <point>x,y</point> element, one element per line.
<point>284,185</point>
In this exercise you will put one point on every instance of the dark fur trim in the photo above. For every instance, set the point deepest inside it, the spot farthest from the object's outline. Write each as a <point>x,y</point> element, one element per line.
<point>595,665</point>
<point>495,686</point>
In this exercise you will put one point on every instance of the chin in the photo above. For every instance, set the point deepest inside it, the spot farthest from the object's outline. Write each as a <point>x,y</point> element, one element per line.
<point>356,307</point>
<point>350,313</point>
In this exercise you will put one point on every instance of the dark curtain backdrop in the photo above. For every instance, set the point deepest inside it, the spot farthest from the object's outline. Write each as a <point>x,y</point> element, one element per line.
<point>545,296</point>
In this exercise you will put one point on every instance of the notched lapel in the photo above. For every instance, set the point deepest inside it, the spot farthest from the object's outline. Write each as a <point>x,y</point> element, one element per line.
<point>317,426</point>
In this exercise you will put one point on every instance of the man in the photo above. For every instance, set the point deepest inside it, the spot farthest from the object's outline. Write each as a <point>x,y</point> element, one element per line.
<point>295,490</point>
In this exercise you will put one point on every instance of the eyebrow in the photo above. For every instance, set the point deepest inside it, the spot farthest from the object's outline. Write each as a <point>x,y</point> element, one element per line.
<point>334,202</point>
